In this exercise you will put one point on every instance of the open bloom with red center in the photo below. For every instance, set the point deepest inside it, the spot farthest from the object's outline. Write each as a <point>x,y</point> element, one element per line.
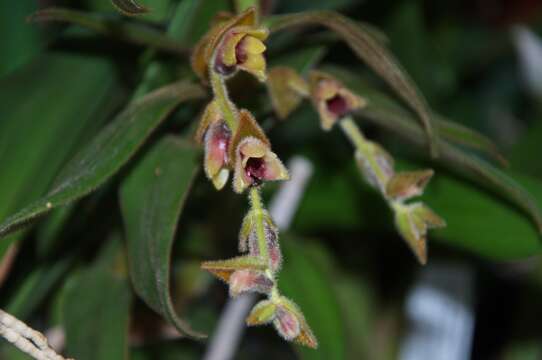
<point>253,160</point>
<point>233,43</point>
<point>332,100</point>
<point>216,136</point>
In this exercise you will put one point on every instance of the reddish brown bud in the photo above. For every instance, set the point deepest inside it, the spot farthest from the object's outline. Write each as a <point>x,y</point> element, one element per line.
<point>291,324</point>
<point>405,185</point>
<point>248,238</point>
<point>286,323</point>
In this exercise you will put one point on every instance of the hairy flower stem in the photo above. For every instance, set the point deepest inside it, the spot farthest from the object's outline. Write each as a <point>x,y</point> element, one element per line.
<point>227,108</point>
<point>257,208</point>
<point>362,145</point>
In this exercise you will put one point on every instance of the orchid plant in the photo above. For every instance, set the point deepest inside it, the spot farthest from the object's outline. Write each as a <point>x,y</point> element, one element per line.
<point>234,142</point>
<point>155,167</point>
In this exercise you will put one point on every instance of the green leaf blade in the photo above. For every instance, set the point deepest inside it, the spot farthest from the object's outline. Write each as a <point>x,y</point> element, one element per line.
<point>107,152</point>
<point>152,199</point>
<point>134,33</point>
<point>96,321</point>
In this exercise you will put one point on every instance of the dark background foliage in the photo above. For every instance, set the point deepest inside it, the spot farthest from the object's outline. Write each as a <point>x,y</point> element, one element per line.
<point>344,264</point>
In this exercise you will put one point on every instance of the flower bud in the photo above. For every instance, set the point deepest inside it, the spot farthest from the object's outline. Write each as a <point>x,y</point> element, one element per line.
<point>332,100</point>
<point>262,313</point>
<point>286,323</point>
<point>412,222</point>
<point>291,324</point>
<point>405,185</point>
<point>378,169</point>
<point>248,238</point>
<point>223,269</point>
<point>216,137</point>
<point>287,89</point>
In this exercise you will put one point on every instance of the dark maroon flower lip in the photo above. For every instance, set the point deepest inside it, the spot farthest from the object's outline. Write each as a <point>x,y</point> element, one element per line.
<point>255,169</point>
<point>337,105</point>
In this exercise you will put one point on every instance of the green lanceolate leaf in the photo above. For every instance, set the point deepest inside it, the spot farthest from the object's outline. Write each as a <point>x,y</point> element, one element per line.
<point>304,279</point>
<point>376,55</point>
<point>96,314</point>
<point>126,31</point>
<point>462,135</point>
<point>152,199</point>
<point>482,223</point>
<point>107,152</point>
<point>130,7</point>
<point>37,135</point>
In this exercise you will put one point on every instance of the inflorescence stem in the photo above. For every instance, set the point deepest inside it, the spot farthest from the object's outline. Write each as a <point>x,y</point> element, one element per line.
<point>362,145</point>
<point>258,211</point>
<point>226,106</point>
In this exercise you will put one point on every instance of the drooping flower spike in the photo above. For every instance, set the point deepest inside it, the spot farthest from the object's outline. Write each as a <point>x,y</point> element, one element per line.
<point>234,140</point>
<point>231,44</point>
